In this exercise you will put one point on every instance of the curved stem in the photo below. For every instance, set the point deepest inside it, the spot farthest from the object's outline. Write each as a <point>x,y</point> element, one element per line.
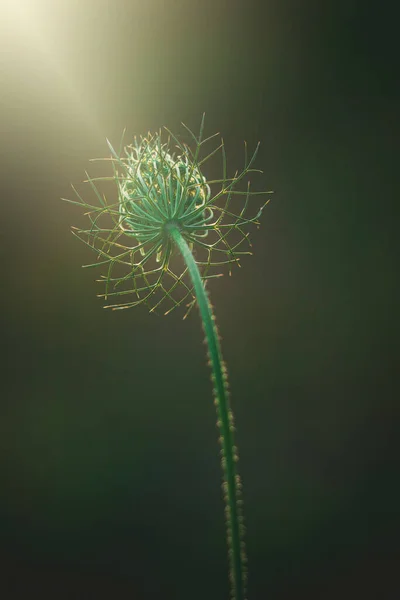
<point>231,480</point>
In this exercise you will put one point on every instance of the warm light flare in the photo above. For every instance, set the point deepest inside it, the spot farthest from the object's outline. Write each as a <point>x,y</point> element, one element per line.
<point>28,38</point>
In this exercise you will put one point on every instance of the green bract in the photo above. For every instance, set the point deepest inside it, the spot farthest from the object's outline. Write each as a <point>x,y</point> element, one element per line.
<point>158,186</point>
<point>160,189</point>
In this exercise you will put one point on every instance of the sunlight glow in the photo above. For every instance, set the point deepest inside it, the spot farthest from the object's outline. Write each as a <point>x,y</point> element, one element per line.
<point>27,36</point>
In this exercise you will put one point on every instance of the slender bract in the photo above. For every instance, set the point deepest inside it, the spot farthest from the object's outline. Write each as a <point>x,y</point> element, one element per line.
<point>167,233</point>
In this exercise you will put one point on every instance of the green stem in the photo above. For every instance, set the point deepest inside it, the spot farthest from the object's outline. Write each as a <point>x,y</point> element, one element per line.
<point>231,480</point>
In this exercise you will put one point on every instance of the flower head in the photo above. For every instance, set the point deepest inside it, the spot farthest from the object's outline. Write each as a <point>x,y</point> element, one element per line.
<point>157,186</point>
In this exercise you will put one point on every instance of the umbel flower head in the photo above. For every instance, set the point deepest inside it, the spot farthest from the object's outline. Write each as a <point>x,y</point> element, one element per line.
<point>160,184</point>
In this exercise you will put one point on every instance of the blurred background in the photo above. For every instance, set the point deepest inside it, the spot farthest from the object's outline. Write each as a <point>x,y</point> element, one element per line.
<point>109,467</point>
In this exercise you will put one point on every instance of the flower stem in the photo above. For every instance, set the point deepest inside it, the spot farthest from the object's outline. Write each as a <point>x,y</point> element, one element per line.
<point>231,481</point>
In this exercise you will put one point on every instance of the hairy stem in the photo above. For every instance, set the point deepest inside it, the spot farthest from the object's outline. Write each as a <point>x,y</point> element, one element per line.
<point>231,481</point>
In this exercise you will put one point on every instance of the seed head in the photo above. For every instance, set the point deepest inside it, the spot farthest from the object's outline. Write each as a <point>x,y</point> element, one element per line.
<point>159,185</point>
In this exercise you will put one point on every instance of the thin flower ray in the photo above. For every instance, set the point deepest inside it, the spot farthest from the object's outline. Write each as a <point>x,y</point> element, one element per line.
<point>156,186</point>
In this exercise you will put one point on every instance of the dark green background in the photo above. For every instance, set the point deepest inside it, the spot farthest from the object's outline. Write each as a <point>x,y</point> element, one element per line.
<point>110,479</point>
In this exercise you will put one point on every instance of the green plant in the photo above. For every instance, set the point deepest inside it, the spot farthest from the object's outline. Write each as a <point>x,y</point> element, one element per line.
<point>165,209</point>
